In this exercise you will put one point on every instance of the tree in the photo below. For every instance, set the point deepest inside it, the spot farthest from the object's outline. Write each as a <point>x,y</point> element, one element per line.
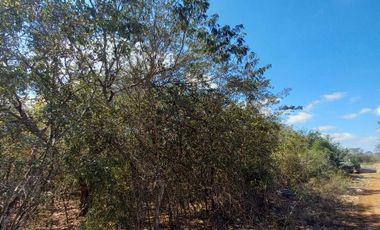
<point>151,107</point>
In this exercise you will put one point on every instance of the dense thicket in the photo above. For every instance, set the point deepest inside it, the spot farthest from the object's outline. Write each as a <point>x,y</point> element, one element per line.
<point>150,109</point>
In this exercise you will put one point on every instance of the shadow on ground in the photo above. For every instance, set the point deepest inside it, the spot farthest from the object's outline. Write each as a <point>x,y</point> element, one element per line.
<point>367,170</point>
<point>313,211</point>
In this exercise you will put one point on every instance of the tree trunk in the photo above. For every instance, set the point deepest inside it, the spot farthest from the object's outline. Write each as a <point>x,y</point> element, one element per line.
<point>84,197</point>
<point>158,207</point>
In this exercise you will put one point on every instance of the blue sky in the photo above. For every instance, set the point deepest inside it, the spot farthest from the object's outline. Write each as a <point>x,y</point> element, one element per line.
<point>327,52</point>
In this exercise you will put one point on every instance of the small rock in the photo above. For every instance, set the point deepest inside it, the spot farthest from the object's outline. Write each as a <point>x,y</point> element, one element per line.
<point>358,190</point>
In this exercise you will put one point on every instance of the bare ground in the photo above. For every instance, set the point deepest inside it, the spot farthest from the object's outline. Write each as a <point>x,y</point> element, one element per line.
<point>365,195</point>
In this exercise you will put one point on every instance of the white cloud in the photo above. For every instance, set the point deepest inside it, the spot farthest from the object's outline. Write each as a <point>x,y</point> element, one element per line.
<point>378,111</point>
<point>365,110</point>
<point>339,137</point>
<point>369,140</point>
<point>349,140</point>
<point>334,96</point>
<point>312,105</point>
<point>355,115</point>
<point>367,143</point>
<point>325,128</point>
<point>325,98</point>
<point>350,116</point>
<point>300,117</point>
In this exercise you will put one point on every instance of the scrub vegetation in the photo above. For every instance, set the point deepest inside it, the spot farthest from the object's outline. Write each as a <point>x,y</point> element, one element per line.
<point>149,114</point>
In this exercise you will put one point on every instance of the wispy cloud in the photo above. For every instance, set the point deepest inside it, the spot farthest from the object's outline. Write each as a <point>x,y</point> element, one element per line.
<point>325,98</point>
<point>369,141</point>
<point>365,110</point>
<point>325,128</point>
<point>334,96</point>
<point>340,137</point>
<point>364,142</point>
<point>298,118</point>
<point>355,115</point>
<point>350,116</point>
<point>311,105</point>
<point>350,140</point>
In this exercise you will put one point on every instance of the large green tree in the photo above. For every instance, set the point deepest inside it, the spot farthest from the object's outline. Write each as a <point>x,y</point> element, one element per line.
<point>150,107</point>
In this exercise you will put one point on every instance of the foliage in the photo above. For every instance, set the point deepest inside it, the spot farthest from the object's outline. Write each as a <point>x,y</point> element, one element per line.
<point>151,110</point>
<point>301,157</point>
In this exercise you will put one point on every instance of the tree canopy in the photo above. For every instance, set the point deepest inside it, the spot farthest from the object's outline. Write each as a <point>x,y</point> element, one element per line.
<point>151,109</point>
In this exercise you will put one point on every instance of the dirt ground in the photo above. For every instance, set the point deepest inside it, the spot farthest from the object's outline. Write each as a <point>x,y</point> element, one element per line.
<point>365,194</point>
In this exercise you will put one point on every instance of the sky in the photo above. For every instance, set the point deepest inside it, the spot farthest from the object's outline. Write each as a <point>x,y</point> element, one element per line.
<point>327,52</point>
